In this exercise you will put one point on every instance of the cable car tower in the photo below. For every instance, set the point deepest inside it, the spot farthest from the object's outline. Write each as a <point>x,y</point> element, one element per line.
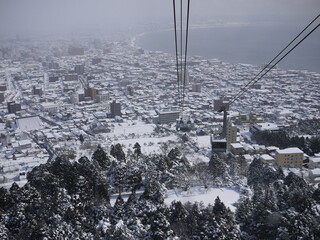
<point>185,123</point>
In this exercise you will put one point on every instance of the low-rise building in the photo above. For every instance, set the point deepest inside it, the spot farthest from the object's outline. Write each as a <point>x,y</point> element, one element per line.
<point>237,149</point>
<point>314,175</point>
<point>49,107</point>
<point>266,158</point>
<point>168,117</point>
<point>289,157</point>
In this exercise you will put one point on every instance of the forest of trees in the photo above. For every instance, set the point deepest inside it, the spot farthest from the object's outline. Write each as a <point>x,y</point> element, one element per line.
<point>66,199</point>
<point>282,140</point>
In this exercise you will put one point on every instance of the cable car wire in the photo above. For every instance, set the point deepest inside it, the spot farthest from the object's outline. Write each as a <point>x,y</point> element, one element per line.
<point>176,47</point>
<point>271,67</point>
<point>254,79</point>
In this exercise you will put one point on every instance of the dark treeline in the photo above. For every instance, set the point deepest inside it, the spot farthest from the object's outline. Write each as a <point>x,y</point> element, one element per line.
<point>282,140</point>
<point>67,199</point>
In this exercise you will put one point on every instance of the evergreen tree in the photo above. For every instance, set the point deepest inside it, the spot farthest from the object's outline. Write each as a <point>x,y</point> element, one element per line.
<point>118,210</point>
<point>134,178</point>
<point>178,219</point>
<point>137,149</point>
<point>118,153</point>
<point>81,138</point>
<point>217,166</point>
<point>101,157</point>
<point>119,178</point>
<point>159,227</point>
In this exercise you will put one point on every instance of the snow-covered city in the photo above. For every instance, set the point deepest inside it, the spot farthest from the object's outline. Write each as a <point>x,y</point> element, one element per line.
<point>104,139</point>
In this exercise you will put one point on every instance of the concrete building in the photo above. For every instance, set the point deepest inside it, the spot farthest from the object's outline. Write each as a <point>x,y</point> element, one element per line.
<point>49,107</point>
<point>115,109</point>
<point>53,79</point>
<point>237,149</point>
<point>90,92</point>
<point>266,158</point>
<point>168,117</point>
<point>79,69</point>
<point>314,162</point>
<point>1,97</point>
<point>289,157</point>
<point>231,136</point>
<point>271,127</point>
<point>13,107</point>
<point>314,175</point>
<point>37,91</point>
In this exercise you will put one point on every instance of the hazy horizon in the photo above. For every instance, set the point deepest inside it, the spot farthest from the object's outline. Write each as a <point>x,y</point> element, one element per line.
<point>40,17</point>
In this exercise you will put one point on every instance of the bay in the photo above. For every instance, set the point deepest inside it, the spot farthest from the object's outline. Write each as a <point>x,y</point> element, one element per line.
<point>252,44</point>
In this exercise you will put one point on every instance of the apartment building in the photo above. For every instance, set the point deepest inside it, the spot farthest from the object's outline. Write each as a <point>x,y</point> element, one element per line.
<point>289,157</point>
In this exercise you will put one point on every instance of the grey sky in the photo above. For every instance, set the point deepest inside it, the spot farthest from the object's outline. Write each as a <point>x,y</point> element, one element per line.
<point>67,15</point>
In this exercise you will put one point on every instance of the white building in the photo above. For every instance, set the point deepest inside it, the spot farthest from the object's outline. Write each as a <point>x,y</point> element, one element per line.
<point>49,107</point>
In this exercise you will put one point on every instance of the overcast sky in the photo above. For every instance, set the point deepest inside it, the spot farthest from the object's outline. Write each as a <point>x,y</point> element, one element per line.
<point>30,16</point>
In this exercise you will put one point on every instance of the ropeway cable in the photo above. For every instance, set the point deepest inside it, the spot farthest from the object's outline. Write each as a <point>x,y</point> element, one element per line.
<point>254,79</point>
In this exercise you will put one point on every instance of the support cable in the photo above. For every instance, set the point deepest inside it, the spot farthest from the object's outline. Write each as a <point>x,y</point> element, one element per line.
<point>181,47</point>
<point>185,53</point>
<point>253,79</point>
<point>176,47</point>
<point>271,67</point>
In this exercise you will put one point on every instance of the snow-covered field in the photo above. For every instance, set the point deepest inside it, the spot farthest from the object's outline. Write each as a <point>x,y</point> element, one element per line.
<point>148,144</point>
<point>126,128</point>
<point>203,141</point>
<point>195,194</point>
<point>206,196</point>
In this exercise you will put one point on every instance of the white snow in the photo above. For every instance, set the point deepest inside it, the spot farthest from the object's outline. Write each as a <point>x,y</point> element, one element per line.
<point>29,123</point>
<point>203,141</point>
<point>289,150</point>
<point>206,196</point>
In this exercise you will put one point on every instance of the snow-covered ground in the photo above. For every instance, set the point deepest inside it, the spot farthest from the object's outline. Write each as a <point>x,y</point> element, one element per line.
<point>148,144</point>
<point>199,194</point>
<point>203,141</point>
<point>206,196</point>
<point>137,127</point>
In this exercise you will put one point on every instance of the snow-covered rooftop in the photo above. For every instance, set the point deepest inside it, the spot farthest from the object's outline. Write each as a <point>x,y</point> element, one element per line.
<point>29,123</point>
<point>289,150</point>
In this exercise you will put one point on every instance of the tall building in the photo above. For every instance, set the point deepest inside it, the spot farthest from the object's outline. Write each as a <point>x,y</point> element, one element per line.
<point>90,92</point>
<point>79,69</point>
<point>1,97</point>
<point>289,157</point>
<point>13,107</point>
<point>231,136</point>
<point>37,91</point>
<point>115,109</point>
